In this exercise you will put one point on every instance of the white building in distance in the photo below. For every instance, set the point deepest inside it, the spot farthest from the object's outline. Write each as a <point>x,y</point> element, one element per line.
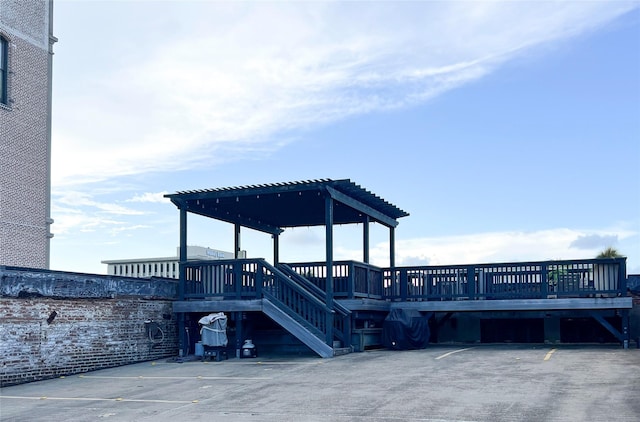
<point>167,267</point>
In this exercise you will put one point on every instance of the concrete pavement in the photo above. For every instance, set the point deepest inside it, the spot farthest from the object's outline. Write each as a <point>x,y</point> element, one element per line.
<point>453,383</point>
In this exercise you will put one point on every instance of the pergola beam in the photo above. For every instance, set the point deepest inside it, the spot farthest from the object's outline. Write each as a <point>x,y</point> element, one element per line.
<point>244,222</point>
<point>363,208</point>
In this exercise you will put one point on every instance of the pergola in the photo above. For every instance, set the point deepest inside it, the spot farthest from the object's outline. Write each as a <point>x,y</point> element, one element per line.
<point>271,208</point>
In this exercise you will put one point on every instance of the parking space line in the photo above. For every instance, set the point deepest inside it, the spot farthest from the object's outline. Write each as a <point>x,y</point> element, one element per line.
<point>118,399</point>
<point>548,355</point>
<point>197,377</point>
<point>318,362</point>
<point>452,352</point>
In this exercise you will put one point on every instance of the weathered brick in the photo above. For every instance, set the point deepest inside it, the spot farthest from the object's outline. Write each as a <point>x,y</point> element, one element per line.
<point>84,336</point>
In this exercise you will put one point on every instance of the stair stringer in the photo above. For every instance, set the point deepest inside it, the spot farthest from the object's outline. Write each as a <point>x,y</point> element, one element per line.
<point>296,329</point>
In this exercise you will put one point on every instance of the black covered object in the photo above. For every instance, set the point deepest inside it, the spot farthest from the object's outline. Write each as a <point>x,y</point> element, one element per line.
<point>633,283</point>
<point>405,329</point>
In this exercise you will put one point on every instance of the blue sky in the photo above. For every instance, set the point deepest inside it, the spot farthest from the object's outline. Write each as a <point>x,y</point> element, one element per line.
<point>509,131</point>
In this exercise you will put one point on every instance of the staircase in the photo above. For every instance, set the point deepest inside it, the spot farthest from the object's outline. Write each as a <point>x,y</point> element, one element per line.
<point>302,333</point>
<point>299,307</point>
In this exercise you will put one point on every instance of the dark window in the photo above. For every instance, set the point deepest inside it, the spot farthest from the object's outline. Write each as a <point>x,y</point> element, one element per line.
<point>4,69</point>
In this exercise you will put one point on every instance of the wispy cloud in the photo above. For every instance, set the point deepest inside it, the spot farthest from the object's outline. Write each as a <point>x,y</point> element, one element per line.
<point>304,237</point>
<point>78,199</point>
<point>68,220</point>
<point>77,210</point>
<point>594,241</point>
<point>492,247</point>
<point>157,197</point>
<point>240,75</point>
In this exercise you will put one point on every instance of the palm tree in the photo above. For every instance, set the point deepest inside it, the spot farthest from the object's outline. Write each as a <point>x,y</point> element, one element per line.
<point>610,252</point>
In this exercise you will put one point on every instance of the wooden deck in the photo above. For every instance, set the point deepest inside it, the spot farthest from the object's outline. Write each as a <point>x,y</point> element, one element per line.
<point>295,295</point>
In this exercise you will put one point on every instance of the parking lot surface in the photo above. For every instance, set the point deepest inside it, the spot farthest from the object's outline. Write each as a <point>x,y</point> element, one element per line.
<point>455,383</point>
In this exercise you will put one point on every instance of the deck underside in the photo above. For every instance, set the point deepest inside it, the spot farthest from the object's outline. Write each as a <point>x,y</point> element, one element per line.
<point>566,304</point>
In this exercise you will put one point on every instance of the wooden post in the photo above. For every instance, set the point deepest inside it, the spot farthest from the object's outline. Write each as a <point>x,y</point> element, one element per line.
<point>392,259</point>
<point>392,247</point>
<point>276,249</point>
<point>182,252</point>
<point>365,239</point>
<point>404,284</point>
<point>236,241</point>
<point>544,281</point>
<point>239,334</point>
<point>471,282</point>
<point>329,256</point>
<point>626,333</point>
<point>182,336</point>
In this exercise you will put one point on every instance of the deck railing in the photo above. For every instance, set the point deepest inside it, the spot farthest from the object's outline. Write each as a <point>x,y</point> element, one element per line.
<point>255,278</point>
<point>226,279</point>
<point>528,280</point>
<point>351,279</point>
<point>245,279</point>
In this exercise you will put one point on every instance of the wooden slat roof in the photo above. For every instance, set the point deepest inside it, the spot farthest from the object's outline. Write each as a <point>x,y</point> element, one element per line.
<point>275,206</point>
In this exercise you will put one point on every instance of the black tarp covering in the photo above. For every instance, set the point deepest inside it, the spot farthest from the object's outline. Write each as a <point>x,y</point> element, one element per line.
<point>633,283</point>
<point>405,329</point>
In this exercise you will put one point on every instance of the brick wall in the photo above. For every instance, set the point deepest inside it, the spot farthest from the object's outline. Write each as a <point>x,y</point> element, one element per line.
<point>55,323</point>
<point>85,335</point>
<point>24,136</point>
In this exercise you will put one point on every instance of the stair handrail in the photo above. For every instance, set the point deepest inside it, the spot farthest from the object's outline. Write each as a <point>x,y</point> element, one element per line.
<point>315,290</point>
<point>295,286</point>
<point>311,299</point>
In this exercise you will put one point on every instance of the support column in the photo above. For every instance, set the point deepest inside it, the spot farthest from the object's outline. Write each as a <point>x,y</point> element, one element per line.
<point>626,333</point>
<point>182,252</point>
<point>182,333</point>
<point>552,332</point>
<point>276,249</point>
<point>239,334</point>
<point>392,260</point>
<point>365,240</point>
<point>328,213</point>
<point>183,347</point>
<point>392,247</point>
<point>329,247</point>
<point>236,241</point>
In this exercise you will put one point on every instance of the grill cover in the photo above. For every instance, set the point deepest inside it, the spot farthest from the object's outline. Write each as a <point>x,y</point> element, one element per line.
<point>405,329</point>
<point>214,330</point>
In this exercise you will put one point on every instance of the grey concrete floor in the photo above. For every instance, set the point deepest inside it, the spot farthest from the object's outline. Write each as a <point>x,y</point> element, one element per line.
<point>455,383</point>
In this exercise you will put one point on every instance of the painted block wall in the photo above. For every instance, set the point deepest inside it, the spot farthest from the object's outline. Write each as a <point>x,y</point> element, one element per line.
<point>84,335</point>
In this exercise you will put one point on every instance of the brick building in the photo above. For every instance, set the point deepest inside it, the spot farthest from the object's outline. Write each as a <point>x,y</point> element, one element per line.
<point>26,41</point>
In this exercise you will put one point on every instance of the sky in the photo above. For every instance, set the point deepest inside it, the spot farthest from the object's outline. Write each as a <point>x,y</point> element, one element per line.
<point>510,131</point>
